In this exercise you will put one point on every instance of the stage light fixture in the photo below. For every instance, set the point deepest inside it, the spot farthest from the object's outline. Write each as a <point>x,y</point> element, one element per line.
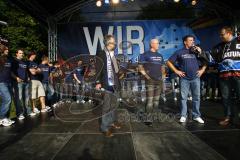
<point>194,2</point>
<point>106,1</point>
<point>115,1</point>
<point>99,3</point>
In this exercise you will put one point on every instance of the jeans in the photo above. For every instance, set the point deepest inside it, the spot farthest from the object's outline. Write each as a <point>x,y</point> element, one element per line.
<point>227,86</point>
<point>67,90</point>
<point>5,98</point>
<point>194,86</point>
<point>110,105</point>
<point>49,90</point>
<point>21,98</point>
<point>80,90</point>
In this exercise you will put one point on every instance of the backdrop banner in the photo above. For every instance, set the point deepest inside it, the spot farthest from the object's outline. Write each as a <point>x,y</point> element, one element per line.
<point>132,37</point>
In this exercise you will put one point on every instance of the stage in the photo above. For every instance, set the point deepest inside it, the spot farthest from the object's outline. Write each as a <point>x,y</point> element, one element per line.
<point>64,135</point>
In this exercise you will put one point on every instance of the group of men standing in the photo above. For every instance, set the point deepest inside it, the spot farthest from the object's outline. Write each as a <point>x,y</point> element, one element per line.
<point>22,78</point>
<point>189,63</point>
<point>23,81</point>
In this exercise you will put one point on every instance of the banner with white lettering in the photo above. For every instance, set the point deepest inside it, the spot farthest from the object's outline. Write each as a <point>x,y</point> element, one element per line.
<point>132,37</point>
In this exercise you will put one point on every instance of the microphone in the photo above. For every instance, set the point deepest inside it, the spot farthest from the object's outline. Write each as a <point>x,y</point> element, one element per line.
<point>194,50</point>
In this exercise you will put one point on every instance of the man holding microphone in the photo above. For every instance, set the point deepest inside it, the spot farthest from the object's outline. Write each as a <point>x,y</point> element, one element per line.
<point>188,59</point>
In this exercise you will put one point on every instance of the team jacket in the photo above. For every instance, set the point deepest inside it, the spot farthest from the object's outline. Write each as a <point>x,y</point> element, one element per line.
<point>227,55</point>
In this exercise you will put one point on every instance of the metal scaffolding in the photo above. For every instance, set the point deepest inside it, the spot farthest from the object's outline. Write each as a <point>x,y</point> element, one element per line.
<point>52,39</point>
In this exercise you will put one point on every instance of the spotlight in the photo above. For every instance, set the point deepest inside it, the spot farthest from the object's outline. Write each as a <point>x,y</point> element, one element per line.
<point>99,3</point>
<point>176,1</point>
<point>194,2</point>
<point>115,1</point>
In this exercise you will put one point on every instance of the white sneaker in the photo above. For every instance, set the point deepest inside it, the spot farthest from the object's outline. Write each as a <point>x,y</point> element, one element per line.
<point>60,102</point>
<point>68,101</point>
<point>190,98</point>
<point>21,117</point>
<point>55,105</point>
<point>164,99</point>
<point>32,114</point>
<point>175,98</point>
<point>6,122</point>
<point>11,121</point>
<point>48,108</point>
<point>36,111</point>
<point>82,101</point>
<point>183,119</point>
<point>199,120</point>
<point>44,110</point>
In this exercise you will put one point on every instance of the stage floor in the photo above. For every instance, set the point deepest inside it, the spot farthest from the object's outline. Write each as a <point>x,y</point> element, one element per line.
<point>72,136</point>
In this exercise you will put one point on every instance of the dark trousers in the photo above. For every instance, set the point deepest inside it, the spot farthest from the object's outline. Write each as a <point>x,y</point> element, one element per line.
<point>153,92</point>
<point>110,104</point>
<point>228,87</point>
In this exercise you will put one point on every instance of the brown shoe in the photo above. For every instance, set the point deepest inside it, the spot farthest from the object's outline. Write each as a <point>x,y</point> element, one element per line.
<point>225,122</point>
<point>116,126</point>
<point>108,134</point>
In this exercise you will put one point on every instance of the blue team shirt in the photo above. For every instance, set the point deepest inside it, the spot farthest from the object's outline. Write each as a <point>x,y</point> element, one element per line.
<point>20,69</point>
<point>68,76</point>
<point>79,73</point>
<point>32,64</point>
<point>187,62</point>
<point>152,62</point>
<point>46,70</point>
<point>5,76</point>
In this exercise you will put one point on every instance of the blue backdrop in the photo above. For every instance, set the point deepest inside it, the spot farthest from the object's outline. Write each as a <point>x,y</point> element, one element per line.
<point>87,38</point>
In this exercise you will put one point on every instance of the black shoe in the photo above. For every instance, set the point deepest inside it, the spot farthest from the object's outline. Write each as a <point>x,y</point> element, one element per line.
<point>149,124</point>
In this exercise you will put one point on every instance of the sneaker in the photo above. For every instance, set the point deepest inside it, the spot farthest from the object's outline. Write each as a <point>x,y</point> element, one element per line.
<point>182,119</point>
<point>32,114</point>
<point>82,101</point>
<point>5,122</point>
<point>21,117</point>
<point>189,98</point>
<point>225,122</point>
<point>68,101</point>
<point>55,105</point>
<point>47,107</point>
<point>175,98</point>
<point>199,120</point>
<point>44,110</point>
<point>11,121</point>
<point>60,102</point>
<point>149,124</point>
<point>164,99</point>
<point>36,111</point>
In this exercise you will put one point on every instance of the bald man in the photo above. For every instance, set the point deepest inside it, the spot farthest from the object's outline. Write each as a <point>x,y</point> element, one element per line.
<point>152,68</point>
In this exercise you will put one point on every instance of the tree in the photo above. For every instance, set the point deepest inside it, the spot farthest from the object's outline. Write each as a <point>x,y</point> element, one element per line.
<point>22,31</point>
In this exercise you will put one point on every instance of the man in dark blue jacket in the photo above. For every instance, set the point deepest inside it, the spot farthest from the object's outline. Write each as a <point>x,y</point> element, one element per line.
<point>108,81</point>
